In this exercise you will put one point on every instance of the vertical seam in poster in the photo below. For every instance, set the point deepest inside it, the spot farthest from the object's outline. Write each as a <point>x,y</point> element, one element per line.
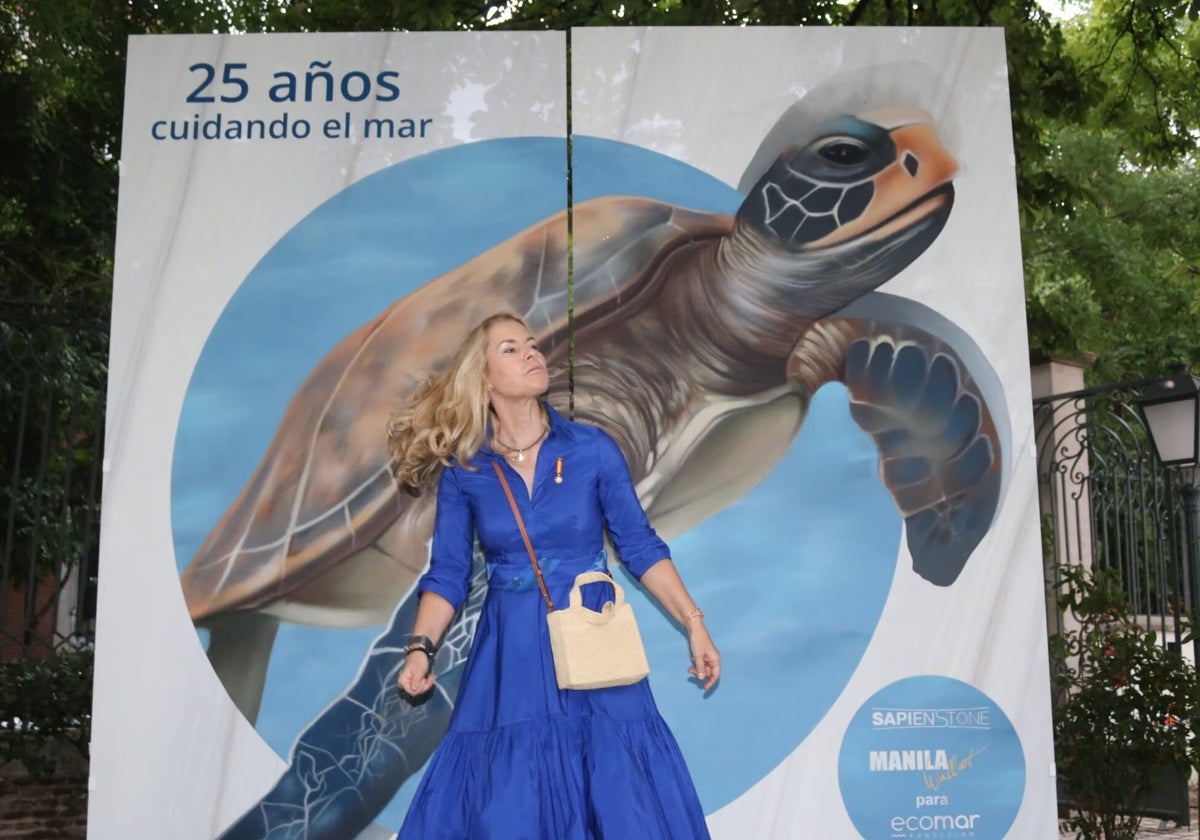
<point>570,244</point>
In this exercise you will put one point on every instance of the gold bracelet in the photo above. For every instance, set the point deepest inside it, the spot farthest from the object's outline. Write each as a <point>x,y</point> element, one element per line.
<point>696,613</point>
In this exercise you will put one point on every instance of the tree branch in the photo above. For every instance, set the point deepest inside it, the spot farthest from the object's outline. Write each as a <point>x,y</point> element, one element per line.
<point>857,13</point>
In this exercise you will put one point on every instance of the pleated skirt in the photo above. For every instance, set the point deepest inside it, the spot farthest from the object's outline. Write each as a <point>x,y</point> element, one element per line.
<point>525,760</point>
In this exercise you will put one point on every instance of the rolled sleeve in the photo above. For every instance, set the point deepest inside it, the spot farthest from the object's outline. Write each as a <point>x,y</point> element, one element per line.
<point>637,544</point>
<point>449,572</point>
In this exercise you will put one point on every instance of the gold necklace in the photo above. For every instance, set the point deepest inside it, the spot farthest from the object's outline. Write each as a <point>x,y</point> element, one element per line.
<point>520,450</point>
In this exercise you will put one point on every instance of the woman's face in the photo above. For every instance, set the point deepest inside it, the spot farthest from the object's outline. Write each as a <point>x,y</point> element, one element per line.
<point>514,367</point>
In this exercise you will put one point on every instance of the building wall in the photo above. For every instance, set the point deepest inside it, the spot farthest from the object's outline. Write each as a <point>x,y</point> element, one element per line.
<point>50,806</point>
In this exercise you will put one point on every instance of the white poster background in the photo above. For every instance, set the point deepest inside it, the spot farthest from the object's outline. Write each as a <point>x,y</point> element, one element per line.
<point>195,217</point>
<point>708,97</point>
<point>171,756</point>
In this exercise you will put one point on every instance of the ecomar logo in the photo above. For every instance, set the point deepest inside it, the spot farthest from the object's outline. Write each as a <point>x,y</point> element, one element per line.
<point>947,825</point>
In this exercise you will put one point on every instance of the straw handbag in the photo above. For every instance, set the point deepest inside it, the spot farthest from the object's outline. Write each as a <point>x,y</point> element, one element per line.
<point>591,649</point>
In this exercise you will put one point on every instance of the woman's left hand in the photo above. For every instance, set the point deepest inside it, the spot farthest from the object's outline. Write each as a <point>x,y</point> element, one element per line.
<point>706,661</point>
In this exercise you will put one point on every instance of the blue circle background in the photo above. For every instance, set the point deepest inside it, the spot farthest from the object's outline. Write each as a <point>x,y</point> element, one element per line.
<point>793,577</point>
<point>992,786</point>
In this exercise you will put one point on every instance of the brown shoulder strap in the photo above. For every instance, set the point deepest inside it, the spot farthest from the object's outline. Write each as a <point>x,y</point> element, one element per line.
<point>512,503</point>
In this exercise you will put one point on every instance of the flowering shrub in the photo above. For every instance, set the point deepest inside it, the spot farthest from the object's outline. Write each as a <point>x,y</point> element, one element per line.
<point>1125,708</point>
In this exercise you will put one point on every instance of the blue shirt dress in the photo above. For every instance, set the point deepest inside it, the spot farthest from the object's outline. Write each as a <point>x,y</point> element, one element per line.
<point>523,759</point>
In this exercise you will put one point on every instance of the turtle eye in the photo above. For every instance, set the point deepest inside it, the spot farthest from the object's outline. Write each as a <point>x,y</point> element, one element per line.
<point>843,151</point>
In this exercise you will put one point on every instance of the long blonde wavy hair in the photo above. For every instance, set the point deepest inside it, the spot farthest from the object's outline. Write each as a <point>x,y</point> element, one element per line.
<point>447,415</point>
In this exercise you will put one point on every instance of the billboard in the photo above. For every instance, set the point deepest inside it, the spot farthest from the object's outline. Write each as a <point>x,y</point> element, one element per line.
<point>784,274</point>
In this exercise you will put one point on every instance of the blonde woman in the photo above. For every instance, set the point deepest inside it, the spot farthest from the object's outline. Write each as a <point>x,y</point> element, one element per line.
<point>523,758</point>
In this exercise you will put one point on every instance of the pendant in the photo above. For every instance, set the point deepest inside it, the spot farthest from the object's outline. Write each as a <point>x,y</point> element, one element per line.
<point>520,456</point>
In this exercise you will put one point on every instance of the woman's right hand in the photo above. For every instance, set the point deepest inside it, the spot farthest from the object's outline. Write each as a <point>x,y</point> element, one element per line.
<point>417,676</point>
<point>434,614</point>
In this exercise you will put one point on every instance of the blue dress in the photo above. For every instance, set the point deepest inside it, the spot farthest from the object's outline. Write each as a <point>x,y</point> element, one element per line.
<point>524,760</point>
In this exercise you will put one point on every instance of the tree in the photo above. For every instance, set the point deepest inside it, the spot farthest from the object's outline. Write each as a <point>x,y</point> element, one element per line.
<point>1119,275</point>
<point>59,83</point>
<point>1113,266</point>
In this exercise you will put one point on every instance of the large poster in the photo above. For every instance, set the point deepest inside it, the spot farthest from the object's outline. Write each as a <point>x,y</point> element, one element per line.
<point>795,271</point>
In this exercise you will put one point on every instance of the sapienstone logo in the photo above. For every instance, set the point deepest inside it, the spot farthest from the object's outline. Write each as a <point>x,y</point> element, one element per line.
<point>978,717</point>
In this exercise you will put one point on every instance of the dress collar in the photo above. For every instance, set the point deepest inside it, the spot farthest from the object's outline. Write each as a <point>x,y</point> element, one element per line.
<point>558,423</point>
<point>559,427</point>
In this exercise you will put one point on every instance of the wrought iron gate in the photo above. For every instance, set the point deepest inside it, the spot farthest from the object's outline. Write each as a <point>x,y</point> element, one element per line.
<point>1107,502</point>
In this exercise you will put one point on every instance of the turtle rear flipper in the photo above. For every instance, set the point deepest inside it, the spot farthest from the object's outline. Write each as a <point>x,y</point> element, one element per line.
<point>239,650</point>
<point>351,759</point>
<point>941,447</point>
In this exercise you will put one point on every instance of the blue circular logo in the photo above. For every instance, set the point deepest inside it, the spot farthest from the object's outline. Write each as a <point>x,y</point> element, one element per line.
<point>931,757</point>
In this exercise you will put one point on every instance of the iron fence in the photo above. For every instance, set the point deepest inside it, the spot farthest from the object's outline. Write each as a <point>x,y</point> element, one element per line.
<point>52,384</point>
<point>1106,501</point>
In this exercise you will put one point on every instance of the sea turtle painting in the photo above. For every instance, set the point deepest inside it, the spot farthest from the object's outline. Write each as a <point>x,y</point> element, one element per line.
<point>697,340</point>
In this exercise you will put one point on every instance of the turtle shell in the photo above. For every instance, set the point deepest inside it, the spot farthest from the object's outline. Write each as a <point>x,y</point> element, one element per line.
<point>321,532</point>
<point>323,493</point>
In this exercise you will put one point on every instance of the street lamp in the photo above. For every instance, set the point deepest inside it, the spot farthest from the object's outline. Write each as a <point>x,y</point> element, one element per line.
<point>1171,409</point>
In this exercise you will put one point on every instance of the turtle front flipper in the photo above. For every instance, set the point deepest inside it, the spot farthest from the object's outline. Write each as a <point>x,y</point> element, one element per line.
<point>351,759</point>
<point>941,447</point>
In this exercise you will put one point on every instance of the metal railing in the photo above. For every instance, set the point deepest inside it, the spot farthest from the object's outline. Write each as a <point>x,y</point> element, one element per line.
<point>1106,501</point>
<point>52,383</point>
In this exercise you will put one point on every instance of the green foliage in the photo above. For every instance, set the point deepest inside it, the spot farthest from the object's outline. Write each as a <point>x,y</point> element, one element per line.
<point>1119,275</point>
<point>1126,707</point>
<point>1141,63</point>
<point>1113,268</point>
<point>58,191</point>
<point>43,700</point>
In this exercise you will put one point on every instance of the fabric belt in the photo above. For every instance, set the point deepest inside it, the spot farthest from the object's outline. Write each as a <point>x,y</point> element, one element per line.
<point>514,573</point>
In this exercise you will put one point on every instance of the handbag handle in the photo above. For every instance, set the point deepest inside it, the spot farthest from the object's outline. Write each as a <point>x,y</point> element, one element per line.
<point>595,577</point>
<point>512,503</point>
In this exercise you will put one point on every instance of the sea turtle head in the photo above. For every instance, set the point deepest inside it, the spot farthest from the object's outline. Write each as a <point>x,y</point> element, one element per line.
<point>857,199</point>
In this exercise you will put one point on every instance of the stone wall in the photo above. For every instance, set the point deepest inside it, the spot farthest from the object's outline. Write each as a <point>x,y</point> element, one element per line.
<point>51,805</point>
